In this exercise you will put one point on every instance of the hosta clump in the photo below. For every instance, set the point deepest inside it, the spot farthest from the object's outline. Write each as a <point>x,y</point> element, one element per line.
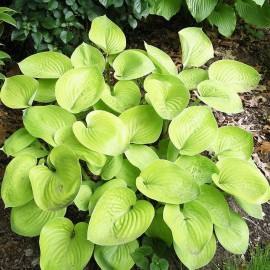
<point>164,169</point>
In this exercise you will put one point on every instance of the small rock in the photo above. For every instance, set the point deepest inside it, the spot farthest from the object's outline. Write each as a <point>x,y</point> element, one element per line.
<point>28,252</point>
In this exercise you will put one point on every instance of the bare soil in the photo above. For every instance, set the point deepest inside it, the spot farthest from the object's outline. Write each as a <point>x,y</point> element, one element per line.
<point>23,253</point>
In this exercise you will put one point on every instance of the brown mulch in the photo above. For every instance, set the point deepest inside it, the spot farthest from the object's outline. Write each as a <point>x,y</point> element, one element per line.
<point>23,253</point>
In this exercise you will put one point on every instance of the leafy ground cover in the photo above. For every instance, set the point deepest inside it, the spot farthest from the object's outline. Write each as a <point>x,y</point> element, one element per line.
<point>253,119</point>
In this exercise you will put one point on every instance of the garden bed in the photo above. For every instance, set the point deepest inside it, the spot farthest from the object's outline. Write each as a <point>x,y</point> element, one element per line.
<point>23,253</point>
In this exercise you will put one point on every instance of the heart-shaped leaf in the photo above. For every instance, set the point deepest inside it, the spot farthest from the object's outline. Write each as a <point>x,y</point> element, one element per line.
<point>119,218</point>
<point>140,155</point>
<point>132,64</point>
<point>220,96</point>
<point>213,200</point>
<point>241,179</point>
<point>86,55</point>
<point>65,136</point>
<point>196,47</point>
<point>125,94</point>
<point>191,226</point>
<point>163,62</point>
<point>17,141</point>
<point>165,182</point>
<point>200,167</point>
<point>16,187</point>
<point>196,261</point>
<point>193,130</point>
<point>29,219</point>
<point>112,184</point>
<point>164,8</point>
<point>56,188</point>
<point>83,196</point>
<point>128,173</point>
<point>105,133</point>
<point>201,9</point>
<point>45,65</point>
<point>239,76</point>
<point>115,257</point>
<point>233,142</point>
<point>159,229</point>
<point>18,91</point>
<point>107,35</point>
<point>224,18</point>
<point>79,88</point>
<point>44,121</point>
<point>143,124</point>
<point>192,77</point>
<point>45,91</point>
<point>253,210</point>
<point>167,94</point>
<point>235,237</point>
<point>64,246</point>
<point>111,167</point>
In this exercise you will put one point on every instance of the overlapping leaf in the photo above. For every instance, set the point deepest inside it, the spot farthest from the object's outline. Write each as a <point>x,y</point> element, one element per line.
<point>167,94</point>
<point>57,187</point>
<point>193,130</point>
<point>165,182</point>
<point>119,218</point>
<point>45,91</point>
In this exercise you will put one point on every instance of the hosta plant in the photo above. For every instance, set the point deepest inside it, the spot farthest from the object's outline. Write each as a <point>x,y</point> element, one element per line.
<point>133,151</point>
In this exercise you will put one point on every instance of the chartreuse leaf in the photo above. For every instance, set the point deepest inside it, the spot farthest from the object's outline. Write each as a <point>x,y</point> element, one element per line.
<point>238,76</point>
<point>45,65</point>
<point>29,219</point>
<point>44,121</point>
<point>167,94</point>
<point>219,96</point>
<point>111,167</point>
<point>56,188</point>
<point>45,91</point>
<point>86,55</point>
<point>65,136</point>
<point>163,62</point>
<point>125,94</point>
<point>64,246</point>
<point>164,8</point>
<point>119,218</point>
<point>159,229</point>
<point>16,187</point>
<point>253,210</point>
<point>213,200</point>
<point>18,91</point>
<point>112,184</point>
<point>201,9</point>
<point>224,18</point>
<point>235,237</point>
<point>193,130</point>
<point>200,167</point>
<point>17,141</point>
<point>191,226</point>
<point>79,88</point>
<point>140,156</point>
<point>172,152</point>
<point>196,261</point>
<point>105,133</point>
<point>115,257</point>
<point>35,149</point>
<point>196,47</point>
<point>128,173</point>
<point>165,182</point>
<point>192,77</point>
<point>82,198</point>
<point>107,35</point>
<point>233,142</point>
<point>241,179</point>
<point>143,124</point>
<point>132,64</point>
